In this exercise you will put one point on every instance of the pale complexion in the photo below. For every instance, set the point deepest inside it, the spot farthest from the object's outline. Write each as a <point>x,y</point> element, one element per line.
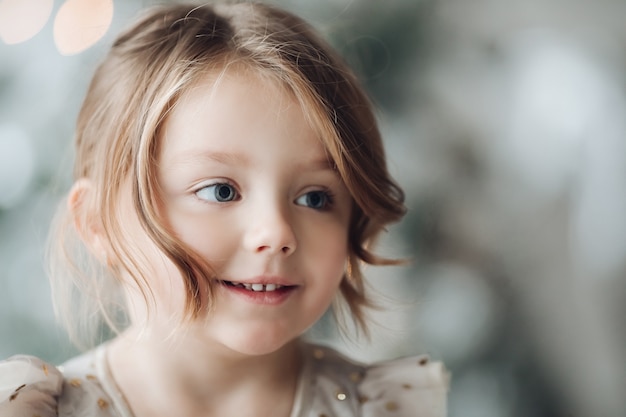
<point>247,185</point>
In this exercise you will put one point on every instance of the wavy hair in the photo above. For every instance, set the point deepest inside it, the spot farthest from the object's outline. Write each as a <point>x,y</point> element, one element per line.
<point>149,66</point>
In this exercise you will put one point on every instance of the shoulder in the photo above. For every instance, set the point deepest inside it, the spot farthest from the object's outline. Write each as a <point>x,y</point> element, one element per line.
<point>412,386</point>
<point>30,386</point>
<point>407,387</point>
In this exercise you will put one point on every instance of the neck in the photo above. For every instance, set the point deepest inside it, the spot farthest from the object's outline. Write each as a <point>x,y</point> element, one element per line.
<point>193,375</point>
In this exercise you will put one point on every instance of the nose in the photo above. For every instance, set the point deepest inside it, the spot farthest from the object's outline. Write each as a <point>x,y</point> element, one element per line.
<point>270,232</point>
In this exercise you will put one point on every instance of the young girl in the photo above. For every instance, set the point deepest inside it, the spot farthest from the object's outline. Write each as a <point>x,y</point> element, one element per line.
<point>230,178</point>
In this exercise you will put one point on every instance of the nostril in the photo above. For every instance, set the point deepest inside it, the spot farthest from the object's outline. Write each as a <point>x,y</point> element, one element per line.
<point>270,238</point>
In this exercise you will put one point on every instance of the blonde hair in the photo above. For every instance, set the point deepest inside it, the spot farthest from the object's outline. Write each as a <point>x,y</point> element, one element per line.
<point>147,69</point>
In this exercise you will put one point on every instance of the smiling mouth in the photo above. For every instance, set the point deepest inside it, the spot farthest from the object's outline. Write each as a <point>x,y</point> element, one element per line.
<point>256,287</point>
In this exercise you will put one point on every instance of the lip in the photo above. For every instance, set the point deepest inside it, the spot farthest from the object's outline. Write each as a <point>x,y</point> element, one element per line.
<point>265,280</point>
<point>269,298</point>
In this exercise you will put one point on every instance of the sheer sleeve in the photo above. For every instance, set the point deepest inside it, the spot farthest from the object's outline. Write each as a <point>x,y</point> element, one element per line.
<point>408,387</point>
<point>29,387</point>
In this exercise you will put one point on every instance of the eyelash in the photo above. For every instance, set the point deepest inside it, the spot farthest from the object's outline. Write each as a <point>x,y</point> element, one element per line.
<point>327,196</point>
<point>217,184</point>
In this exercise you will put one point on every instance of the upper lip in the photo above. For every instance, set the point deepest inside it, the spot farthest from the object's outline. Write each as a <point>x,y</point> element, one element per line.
<point>264,280</point>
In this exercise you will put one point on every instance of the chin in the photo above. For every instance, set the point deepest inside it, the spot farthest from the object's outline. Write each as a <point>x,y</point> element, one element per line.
<point>259,343</point>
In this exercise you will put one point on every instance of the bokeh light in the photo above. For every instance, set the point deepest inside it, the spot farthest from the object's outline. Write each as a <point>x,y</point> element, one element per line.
<point>20,20</point>
<point>81,23</point>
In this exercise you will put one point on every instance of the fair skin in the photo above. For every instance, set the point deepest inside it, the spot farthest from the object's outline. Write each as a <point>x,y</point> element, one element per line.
<point>246,184</point>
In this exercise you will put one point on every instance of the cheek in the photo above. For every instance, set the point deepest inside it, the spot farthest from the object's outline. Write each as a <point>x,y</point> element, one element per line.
<point>154,282</point>
<point>327,247</point>
<point>210,236</point>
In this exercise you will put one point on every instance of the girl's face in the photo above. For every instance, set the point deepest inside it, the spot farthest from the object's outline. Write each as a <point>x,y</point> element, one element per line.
<point>247,185</point>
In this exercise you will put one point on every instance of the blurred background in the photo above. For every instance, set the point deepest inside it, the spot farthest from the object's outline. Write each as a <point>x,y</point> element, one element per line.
<point>504,122</point>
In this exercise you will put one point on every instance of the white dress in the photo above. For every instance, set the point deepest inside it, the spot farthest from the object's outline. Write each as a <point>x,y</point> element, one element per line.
<point>329,385</point>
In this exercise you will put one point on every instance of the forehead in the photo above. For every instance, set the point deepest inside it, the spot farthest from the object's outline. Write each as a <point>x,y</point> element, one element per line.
<point>228,110</point>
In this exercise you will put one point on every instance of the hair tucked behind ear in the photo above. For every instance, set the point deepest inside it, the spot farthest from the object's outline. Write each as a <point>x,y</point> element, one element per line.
<point>154,62</point>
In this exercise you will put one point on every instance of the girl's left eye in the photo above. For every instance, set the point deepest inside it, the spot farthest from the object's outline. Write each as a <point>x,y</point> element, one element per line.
<point>219,193</point>
<point>318,200</point>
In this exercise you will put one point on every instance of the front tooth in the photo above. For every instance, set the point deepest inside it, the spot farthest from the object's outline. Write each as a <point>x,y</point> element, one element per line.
<point>257,287</point>
<point>270,287</point>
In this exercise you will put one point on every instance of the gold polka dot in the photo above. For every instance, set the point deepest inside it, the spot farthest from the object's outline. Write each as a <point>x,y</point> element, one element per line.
<point>318,354</point>
<point>341,396</point>
<point>102,403</point>
<point>91,377</point>
<point>16,392</point>
<point>75,382</point>
<point>407,386</point>
<point>363,399</point>
<point>391,406</point>
<point>423,361</point>
<point>355,377</point>
<point>45,369</point>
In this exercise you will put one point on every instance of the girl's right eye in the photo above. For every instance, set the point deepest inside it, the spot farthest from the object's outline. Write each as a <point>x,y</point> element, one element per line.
<point>218,193</point>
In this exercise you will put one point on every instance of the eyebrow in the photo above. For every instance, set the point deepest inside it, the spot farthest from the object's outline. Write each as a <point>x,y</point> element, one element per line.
<point>202,156</point>
<point>319,163</point>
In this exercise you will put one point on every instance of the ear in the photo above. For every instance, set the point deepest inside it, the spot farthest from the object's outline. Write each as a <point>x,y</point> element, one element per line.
<point>82,208</point>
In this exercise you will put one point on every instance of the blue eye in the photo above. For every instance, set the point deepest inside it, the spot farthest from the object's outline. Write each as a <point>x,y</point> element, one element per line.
<point>318,200</point>
<point>220,193</point>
